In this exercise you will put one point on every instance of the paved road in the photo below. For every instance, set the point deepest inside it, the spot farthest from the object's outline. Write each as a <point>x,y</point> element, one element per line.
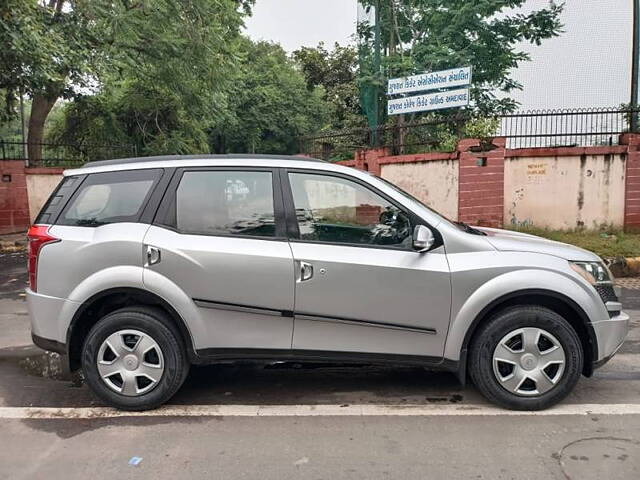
<point>220,425</point>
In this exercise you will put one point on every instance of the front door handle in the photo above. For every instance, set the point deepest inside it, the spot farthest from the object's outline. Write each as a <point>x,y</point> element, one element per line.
<point>306,271</point>
<point>153,255</point>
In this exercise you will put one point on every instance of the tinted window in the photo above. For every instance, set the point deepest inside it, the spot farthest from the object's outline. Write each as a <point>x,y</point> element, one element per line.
<point>110,198</point>
<point>225,203</point>
<point>56,200</point>
<point>335,210</point>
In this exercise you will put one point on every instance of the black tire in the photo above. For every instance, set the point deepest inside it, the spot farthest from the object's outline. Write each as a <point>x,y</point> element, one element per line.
<point>155,323</point>
<point>486,339</point>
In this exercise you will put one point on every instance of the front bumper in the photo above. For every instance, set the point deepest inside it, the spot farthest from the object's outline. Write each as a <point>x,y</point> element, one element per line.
<point>610,335</point>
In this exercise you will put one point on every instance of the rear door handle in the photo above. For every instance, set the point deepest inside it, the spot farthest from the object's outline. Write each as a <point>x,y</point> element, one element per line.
<point>306,271</point>
<point>153,256</point>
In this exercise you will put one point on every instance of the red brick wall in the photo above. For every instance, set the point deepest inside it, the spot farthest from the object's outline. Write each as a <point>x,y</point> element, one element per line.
<point>481,188</point>
<point>14,201</point>
<point>368,159</point>
<point>632,182</point>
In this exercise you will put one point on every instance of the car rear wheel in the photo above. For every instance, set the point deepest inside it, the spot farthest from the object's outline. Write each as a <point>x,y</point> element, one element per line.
<point>526,358</point>
<point>134,359</point>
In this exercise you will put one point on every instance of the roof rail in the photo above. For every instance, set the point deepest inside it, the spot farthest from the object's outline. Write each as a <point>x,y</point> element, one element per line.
<point>161,158</point>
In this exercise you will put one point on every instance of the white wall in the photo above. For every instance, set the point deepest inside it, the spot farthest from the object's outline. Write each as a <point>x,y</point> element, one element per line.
<point>565,192</point>
<point>434,182</point>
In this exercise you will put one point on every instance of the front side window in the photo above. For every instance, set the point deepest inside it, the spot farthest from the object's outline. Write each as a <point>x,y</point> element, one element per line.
<point>225,203</point>
<point>335,210</point>
<point>112,197</point>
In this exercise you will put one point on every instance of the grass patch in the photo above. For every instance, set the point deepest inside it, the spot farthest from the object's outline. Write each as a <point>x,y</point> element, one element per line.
<point>604,243</point>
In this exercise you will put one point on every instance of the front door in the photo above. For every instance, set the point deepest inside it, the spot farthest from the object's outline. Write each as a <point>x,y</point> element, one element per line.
<point>360,287</point>
<point>219,243</point>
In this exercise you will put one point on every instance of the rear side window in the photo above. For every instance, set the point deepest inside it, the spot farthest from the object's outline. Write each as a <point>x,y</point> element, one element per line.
<point>57,199</point>
<point>225,203</point>
<point>111,197</point>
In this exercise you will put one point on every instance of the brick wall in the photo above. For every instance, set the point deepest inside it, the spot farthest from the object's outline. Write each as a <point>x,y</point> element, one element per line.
<point>23,191</point>
<point>632,182</point>
<point>481,183</point>
<point>14,200</point>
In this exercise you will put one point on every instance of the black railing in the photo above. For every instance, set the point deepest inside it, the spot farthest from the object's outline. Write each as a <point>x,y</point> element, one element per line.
<point>560,128</point>
<point>63,155</point>
<point>531,129</point>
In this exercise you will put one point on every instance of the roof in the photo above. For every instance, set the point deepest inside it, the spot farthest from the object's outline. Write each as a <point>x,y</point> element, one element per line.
<point>177,158</point>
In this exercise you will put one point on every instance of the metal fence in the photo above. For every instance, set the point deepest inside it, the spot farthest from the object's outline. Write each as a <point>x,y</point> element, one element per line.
<point>531,129</point>
<point>64,155</point>
<point>578,127</point>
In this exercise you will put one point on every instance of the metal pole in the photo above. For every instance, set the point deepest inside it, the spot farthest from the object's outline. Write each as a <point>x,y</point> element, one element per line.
<point>376,68</point>
<point>635,70</point>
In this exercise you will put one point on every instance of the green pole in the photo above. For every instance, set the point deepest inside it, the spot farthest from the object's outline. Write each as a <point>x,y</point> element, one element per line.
<point>635,70</point>
<point>376,68</point>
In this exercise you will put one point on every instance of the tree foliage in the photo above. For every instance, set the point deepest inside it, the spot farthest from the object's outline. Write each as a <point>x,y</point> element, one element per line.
<point>171,76</point>
<point>46,49</point>
<point>335,72</point>
<point>427,35</point>
<point>162,64</point>
<point>270,104</point>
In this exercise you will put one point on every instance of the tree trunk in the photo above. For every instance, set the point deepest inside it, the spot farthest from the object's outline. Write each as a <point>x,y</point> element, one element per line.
<point>41,106</point>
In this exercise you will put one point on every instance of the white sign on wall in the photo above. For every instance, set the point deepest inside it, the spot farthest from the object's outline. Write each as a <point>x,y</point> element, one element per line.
<point>455,77</point>
<point>429,101</point>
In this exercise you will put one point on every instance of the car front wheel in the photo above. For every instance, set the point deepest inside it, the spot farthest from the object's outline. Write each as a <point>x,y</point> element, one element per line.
<point>526,358</point>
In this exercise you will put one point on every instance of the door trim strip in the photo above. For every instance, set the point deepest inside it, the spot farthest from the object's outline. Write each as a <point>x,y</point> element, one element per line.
<point>235,307</point>
<point>364,323</point>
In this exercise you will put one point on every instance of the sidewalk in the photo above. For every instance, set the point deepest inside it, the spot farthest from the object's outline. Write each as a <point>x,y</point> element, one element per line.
<point>631,283</point>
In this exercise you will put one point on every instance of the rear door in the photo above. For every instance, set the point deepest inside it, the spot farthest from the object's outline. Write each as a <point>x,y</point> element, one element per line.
<point>100,219</point>
<point>219,237</point>
<point>360,287</point>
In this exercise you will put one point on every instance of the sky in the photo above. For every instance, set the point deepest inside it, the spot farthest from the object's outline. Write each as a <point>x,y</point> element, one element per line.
<point>298,23</point>
<point>587,66</point>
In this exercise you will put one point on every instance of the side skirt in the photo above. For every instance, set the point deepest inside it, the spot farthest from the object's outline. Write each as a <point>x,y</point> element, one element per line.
<point>216,355</point>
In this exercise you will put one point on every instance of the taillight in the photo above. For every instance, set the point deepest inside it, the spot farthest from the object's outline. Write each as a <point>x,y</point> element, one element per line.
<point>38,237</point>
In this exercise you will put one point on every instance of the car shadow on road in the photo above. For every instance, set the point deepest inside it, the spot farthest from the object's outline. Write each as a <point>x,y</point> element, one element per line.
<point>29,376</point>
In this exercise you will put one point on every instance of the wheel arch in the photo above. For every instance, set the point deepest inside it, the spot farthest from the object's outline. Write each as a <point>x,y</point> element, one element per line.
<point>107,301</point>
<point>555,301</point>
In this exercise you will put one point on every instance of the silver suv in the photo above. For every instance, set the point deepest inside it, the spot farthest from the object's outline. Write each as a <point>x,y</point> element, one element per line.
<point>141,267</point>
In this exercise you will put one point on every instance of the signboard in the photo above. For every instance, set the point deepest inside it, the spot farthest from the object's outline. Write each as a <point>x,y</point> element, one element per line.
<point>455,77</point>
<point>429,101</point>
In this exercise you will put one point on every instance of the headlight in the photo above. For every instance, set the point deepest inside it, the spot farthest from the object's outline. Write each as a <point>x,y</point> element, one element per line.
<point>593,272</point>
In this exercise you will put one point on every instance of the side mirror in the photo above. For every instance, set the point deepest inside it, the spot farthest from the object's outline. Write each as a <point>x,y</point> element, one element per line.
<point>423,238</point>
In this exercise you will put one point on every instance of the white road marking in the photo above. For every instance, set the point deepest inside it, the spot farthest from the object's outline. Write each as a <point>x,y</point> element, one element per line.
<point>314,411</point>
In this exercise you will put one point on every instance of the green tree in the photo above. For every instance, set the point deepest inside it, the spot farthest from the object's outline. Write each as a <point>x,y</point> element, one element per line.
<point>427,35</point>
<point>170,55</point>
<point>269,104</point>
<point>45,52</point>
<point>336,73</point>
